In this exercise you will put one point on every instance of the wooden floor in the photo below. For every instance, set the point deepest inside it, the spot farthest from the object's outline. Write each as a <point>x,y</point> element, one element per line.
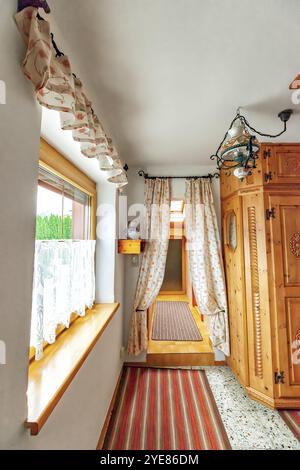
<point>180,353</point>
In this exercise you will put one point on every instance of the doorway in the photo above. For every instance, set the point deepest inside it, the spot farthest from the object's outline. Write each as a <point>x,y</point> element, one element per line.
<point>178,335</point>
<point>174,282</point>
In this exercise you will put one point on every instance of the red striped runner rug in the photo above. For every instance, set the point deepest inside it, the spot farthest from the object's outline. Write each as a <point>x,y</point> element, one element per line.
<point>174,321</point>
<point>165,409</point>
<point>292,419</point>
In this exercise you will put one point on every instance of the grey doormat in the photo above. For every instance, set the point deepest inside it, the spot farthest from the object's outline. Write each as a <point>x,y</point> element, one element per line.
<point>174,321</point>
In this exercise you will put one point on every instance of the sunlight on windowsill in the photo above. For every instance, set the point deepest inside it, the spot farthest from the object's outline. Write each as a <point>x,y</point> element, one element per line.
<point>50,377</point>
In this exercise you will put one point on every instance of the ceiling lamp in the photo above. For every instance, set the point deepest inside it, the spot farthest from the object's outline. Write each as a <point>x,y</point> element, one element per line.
<point>239,148</point>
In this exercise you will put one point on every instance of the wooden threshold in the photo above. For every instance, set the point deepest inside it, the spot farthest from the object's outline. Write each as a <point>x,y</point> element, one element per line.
<point>50,377</point>
<point>180,360</point>
<point>180,353</point>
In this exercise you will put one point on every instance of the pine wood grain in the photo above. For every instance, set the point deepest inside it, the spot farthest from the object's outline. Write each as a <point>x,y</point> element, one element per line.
<point>50,377</point>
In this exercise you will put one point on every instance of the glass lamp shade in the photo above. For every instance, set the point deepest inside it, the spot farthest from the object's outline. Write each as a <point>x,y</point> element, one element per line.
<point>237,129</point>
<point>236,149</point>
<point>241,173</point>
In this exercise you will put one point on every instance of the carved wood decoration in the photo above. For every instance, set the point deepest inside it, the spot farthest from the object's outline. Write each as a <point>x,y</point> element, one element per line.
<point>295,244</point>
<point>288,165</point>
<point>297,339</point>
<point>290,242</point>
<point>293,339</point>
<point>255,291</point>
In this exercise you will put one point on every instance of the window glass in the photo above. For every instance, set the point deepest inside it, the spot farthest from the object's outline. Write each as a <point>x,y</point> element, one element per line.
<point>177,211</point>
<point>63,211</point>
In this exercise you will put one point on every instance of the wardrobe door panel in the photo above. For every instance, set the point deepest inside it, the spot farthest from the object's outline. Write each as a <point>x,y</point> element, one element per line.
<point>234,267</point>
<point>282,164</point>
<point>284,232</point>
<point>257,296</point>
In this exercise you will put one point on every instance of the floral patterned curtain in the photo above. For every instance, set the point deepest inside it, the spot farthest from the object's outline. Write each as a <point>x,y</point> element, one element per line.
<point>152,269</point>
<point>205,260</point>
<point>58,88</point>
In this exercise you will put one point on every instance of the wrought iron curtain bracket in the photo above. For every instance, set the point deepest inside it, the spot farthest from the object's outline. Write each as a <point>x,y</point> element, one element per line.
<point>58,52</point>
<point>145,175</point>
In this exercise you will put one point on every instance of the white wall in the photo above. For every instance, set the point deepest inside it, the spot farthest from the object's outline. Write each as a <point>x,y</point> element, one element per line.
<point>77,420</point>
<point>106,243</point>
<point>135,194</point>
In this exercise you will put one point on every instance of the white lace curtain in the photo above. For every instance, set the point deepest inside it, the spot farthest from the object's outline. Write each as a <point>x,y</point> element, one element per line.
<point>64,283</point>
<point>58,88</point>
<point>205,260</point>
<point>152,269</point>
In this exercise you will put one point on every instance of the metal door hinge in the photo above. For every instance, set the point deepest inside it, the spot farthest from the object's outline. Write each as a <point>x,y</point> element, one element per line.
<point>268,176</point>
<point>279,377</point>
<point>270,213</point>
<point>267,153</point>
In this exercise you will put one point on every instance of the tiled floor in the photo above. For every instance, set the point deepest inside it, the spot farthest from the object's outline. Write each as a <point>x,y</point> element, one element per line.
<point>249,425</point>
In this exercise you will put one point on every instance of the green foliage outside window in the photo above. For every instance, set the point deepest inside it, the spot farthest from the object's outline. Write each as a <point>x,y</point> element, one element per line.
<point>53,227</point>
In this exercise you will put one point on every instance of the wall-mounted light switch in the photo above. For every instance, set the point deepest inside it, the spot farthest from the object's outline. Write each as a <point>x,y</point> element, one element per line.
<point>135,261</point>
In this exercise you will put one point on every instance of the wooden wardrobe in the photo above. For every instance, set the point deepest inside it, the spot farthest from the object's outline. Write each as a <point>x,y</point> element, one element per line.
<point>261,243</point>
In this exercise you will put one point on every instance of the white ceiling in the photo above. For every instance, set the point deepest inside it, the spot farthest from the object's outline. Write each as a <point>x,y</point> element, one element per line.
<point>166,76</point>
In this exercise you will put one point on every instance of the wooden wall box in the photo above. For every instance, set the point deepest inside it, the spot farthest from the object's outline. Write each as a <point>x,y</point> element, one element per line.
<point>130,247</point>
<point>261,247</point>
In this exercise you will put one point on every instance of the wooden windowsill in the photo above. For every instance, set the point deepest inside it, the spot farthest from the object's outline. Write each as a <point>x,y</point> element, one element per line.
<point>50,377</point>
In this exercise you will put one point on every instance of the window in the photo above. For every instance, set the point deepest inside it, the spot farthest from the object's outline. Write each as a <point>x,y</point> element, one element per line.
<point>64,268</point>
<point>177,211</point>
<point>63,211</point>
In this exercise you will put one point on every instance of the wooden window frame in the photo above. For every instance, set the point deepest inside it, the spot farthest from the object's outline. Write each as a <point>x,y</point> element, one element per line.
<point>51,160</point>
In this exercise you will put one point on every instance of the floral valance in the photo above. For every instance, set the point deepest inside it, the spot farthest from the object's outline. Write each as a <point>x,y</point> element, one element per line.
<point>58,88</point>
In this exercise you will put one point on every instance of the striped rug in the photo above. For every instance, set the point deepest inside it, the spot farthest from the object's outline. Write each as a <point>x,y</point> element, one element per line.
<point>174,321</point>
<point>292,419</point>
<point>164,409</point>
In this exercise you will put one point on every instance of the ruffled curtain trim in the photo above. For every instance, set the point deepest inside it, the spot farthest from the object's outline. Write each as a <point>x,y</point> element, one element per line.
<point>58,88</point>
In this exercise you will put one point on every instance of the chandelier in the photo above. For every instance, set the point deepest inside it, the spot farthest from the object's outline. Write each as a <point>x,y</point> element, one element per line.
<point>238,151</point>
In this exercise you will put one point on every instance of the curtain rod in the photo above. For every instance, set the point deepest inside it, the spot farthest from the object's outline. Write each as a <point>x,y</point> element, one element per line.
<point>209,176</point>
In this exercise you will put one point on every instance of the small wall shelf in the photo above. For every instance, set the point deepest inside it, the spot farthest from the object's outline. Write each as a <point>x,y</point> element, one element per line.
<point>130,247</point>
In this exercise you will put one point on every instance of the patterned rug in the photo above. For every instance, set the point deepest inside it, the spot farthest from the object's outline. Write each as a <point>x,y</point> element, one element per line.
<point>174,321</point>
<point>292,419</point>
<point>164,409</point>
